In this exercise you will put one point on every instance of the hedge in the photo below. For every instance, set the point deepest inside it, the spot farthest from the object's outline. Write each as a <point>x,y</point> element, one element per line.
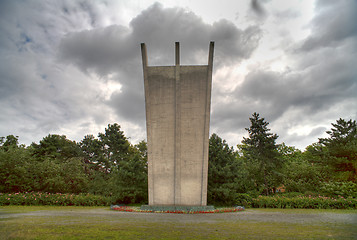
<point>315,202</point>
<point>54,199</point>
<point>277,201</point>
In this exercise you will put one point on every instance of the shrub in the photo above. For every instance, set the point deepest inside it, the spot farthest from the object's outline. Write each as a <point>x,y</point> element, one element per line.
<point>54,199</point>
<point>243,199</point>
<point>345,189</point>
<point>319,202</point>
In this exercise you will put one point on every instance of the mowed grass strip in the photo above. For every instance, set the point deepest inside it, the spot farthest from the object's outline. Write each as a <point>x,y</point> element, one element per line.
<point>112,226</point>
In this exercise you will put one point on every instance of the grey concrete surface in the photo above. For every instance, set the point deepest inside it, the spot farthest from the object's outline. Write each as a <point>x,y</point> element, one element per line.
<point>177,101</point>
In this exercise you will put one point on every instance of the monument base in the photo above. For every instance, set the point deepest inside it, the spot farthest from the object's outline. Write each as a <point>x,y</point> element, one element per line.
<point>167,208</point>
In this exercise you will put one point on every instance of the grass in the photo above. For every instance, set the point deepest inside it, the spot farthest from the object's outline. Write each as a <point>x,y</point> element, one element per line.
<point>97,223</point>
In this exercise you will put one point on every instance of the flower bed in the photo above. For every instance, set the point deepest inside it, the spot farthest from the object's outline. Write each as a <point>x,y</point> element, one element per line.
<point>137,209</point>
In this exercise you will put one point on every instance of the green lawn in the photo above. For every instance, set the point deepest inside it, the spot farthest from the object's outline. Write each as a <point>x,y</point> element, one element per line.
<point>26,222</point>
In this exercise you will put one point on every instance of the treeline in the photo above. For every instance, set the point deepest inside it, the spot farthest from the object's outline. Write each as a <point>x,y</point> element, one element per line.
<point>109,165</point>
<point>106,165</point>
<point>262,167</point>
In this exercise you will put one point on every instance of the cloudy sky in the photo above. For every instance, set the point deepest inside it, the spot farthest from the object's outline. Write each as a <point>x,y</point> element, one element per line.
<point>72,67</point>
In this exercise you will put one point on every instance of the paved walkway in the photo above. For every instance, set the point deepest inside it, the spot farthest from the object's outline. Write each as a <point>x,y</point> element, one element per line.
<point>252,215</point>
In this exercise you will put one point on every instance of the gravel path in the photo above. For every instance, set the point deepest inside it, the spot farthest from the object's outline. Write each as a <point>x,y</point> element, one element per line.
<point>251,215</point>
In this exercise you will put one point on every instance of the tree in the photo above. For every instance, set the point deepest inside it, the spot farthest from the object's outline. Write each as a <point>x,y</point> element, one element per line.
<point>57,166</point>
<point>131,180</point>
<point>143,150</point>
<point>316,154</point>
<point>131,177</point>
<point>14,164</point>
<point>108,151</point>
<point>56,147</point>
<point>341,148</point>
<point>10,142</point>
<point>260,149</point>
<point>109,158</point>
<point>94,155</point>
<point>300,174</point>
<point>224,172</point>
<point>115,145</point>
<point>51,175</point>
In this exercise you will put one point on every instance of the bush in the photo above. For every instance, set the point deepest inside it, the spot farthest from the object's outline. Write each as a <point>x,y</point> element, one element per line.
<point>243,199</point>
<point>54,199</point>
<point>319,202</point>
<point>345,189</point>
<point>289,194</point>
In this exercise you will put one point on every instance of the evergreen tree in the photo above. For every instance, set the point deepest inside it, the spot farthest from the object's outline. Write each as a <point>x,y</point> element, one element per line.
<point>93,154</point>
<point>108,151</point>
<point>131,176</point>
<point>223,172</point>
<point>115,145</point>
<point>342,150</point>
<point>131,180</point>
<point>260,150</point>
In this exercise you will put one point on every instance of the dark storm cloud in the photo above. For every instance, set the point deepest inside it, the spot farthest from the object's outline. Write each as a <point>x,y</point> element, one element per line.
<point>335,22</point>
<point>38,95</point>
<point>108,49</point>
<point>327,84</point>
<point>323,79</point>
<point>320,87</point>
<point>58,58</point>
<point>116,49</point>
<point>103,50</point>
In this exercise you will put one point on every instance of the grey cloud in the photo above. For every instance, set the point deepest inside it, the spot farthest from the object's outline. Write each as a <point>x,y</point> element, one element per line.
<point>38,95</point>
<point>317,131</point>
<point>296,139</point>
<point>37,27</point>
<point>130,103</point>
<point>103,50</point>
<point>287,14</point>
<point>325,85</point>
<point>318,87</point>
<point>106,49</point>
<point>322,79</point>
<point>335,21</point>
<point>232,116</point>
<point>116,49</point>
<point>258,8</point>
<point>257,12</point>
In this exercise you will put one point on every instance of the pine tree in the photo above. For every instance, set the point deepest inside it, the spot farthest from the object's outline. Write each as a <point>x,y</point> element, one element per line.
<point>342,150</point>
<point>223,172</point>
<point>260,150</point>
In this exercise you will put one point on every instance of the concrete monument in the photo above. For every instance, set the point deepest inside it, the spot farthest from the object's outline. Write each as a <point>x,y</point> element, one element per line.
<point>177,101</point>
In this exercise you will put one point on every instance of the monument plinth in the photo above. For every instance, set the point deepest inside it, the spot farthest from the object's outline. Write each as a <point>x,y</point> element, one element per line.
<point>177,102</point>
